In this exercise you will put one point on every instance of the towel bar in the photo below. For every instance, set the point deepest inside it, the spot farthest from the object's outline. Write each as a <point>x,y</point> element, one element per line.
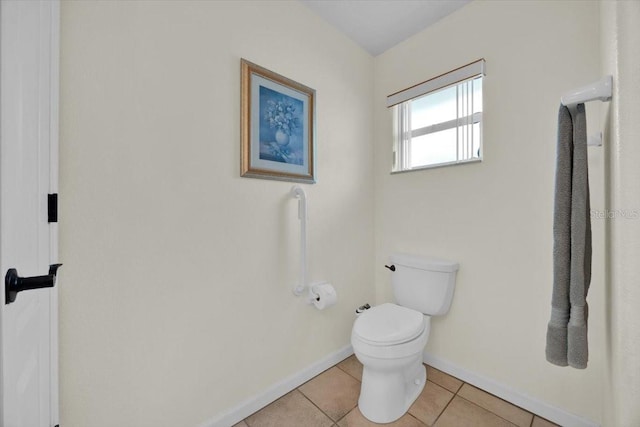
<point>600,90</point>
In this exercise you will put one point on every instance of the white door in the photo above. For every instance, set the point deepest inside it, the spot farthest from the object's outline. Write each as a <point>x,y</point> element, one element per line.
<point>28,242</point>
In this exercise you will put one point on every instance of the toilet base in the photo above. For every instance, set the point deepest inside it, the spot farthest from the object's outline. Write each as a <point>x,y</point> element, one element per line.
<point>387,395</point>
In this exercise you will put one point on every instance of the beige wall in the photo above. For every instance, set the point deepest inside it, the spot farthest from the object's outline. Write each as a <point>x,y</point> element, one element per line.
<point>621,58</point>
<point>177,300</point>
<point>495,217</point>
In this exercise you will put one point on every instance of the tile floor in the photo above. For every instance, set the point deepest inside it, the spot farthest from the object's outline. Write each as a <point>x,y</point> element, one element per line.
<point>331,399</point>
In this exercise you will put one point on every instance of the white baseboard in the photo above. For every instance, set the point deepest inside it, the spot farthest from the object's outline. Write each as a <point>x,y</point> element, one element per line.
<point>259,401</point>
<point>552,413</point>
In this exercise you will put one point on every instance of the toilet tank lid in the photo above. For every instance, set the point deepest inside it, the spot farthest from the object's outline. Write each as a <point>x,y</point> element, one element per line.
<point>424,263</point>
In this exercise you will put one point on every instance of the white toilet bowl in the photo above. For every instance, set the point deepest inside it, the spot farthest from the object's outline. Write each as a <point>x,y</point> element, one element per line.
<point>389,341</point>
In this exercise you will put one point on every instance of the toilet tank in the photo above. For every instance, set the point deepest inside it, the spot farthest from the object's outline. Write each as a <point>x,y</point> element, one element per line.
<point>423,284</point>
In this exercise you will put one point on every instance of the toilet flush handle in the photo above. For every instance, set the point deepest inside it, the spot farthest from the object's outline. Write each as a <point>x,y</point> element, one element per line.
<point>391,267</point>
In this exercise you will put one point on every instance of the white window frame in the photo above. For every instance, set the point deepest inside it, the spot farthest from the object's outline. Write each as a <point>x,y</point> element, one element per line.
<point>402,116</point>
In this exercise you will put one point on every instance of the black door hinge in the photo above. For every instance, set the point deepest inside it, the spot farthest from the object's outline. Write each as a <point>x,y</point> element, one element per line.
<point>52,203</point>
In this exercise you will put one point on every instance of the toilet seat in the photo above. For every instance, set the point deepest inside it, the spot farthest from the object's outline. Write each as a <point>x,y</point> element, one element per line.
<point>389,324</point>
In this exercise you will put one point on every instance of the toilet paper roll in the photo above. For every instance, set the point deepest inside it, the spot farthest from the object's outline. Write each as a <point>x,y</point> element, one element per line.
<point>325,295</point>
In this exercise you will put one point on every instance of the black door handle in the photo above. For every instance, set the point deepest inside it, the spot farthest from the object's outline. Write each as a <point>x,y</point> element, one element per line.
<point>14,283</point>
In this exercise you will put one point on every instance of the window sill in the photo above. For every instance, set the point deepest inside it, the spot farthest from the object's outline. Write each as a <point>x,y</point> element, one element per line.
<point>439,165</point>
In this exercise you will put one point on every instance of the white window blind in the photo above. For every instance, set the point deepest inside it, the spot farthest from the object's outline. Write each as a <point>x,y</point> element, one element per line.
<point>439,121</point>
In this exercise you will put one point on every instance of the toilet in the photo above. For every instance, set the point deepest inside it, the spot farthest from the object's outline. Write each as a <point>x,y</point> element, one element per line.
<point>389,339</point>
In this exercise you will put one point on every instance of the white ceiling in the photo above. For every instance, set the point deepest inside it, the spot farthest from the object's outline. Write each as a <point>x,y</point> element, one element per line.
<point>378,25</point>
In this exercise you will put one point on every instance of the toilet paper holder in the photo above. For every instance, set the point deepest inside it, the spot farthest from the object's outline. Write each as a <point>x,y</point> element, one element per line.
<point>322,295</point>
<point>312,296</point>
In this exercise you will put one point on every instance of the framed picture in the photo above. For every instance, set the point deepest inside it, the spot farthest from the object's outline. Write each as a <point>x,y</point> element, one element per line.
<point>277,126</point>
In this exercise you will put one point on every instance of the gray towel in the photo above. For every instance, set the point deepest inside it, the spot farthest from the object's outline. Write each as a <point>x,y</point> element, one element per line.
<point>567,329</point>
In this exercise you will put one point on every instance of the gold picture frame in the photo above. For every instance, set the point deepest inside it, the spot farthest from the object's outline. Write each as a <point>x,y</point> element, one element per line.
<point>277,122</point>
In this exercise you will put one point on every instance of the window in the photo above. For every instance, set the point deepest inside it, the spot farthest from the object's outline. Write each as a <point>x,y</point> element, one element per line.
<point>439,122</point>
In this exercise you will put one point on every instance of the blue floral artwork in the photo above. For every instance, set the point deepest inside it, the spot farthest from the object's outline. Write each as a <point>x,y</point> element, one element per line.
<point>277,132</point>
<point>281,127</point>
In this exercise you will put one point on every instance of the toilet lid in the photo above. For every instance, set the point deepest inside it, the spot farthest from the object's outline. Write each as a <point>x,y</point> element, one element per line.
<point>389,324</point>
